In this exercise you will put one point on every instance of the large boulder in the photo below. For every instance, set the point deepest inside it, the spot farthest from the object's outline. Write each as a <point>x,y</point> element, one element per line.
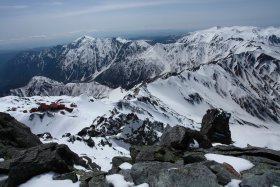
<point>215,125</point>
<point>40,159</point>
<point>164,174</point>
<point>262,180</point>
<point>180,137</point>
<point>15,134</point>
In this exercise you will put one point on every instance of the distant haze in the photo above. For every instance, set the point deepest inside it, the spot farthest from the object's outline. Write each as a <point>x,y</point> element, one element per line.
<point>31,23</point>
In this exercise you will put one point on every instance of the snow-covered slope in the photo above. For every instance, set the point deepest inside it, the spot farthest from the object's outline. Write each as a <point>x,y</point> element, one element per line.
<point>46,87</point>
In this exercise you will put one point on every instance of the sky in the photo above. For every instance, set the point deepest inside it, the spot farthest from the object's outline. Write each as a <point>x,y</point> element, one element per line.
<point>45,22</point>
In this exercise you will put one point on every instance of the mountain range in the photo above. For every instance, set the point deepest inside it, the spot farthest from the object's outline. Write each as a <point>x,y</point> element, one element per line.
<point>237,64</point>
<point>109,99</point>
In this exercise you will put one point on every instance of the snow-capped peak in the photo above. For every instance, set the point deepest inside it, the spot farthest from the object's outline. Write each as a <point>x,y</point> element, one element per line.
<point>84,38</point>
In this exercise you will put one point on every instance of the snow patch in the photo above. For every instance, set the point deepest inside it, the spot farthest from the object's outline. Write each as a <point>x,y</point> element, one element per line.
<point>125,165</point>
<point>45,180</point>
<point>118,181</point>
<point>239,164</point>
<point>233,183</point>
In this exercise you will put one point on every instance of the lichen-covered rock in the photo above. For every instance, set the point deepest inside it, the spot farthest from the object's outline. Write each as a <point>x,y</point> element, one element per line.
<point>164,174</point>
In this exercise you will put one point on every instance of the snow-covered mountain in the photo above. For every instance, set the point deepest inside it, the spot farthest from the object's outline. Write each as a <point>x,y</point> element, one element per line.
<point>46,87</point>
<point>117,62</point>
<point>75,94</point>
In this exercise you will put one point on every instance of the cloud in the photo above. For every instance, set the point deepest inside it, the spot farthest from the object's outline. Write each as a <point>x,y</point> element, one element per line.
<point>13,6</point>
<point>119,6</point>
<point>53,3</point>
<point>38,36</point>
<point>82,31</point>
<point>24,38</point>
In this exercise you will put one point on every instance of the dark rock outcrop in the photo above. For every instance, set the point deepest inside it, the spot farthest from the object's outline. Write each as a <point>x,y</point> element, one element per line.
<point>41,159</point>
<point>215,125</point>
<point>180,137</point>
<point>15,134</point>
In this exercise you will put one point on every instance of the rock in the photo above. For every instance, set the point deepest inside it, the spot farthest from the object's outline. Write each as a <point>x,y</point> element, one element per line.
<point>264,180</point>
<point>230,169</point>
<point>215,125</point>
<point>93,179</point>
<point>45,136</point>
<point>87,163</point>
<point>41,159</point>
<point>116,162</point>
<point>176,137</point>
<point>193,157</point>
<point>270,154</point>
<point>90,142</point>
<point>16,134</point>
<point>70,176</point>
<point>164,174</point>
<point>180,137</point>
<point>143,172</point>
<point>154,153</point>
<point>126,174</point>
<point>224,176</point>
<point>5,167</point>
<point>192,175</point>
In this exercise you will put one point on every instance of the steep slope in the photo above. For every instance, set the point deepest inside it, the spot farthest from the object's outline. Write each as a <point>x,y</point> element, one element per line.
<point>46,87</point>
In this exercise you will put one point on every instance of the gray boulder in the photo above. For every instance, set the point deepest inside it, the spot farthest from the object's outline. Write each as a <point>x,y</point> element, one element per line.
<point>143,172</point>
<point>164,174</point>
<point>263,180</point>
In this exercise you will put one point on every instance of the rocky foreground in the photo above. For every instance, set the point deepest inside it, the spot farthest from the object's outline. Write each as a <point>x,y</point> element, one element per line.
<point>181,158</point>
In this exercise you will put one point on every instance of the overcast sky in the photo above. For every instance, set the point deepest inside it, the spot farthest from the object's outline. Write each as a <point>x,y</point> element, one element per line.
<point>42,21</point>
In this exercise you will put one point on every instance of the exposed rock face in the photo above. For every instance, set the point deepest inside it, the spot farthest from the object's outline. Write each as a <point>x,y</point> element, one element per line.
<point>25,156</point>
<point>15,134</point>
<point>180,137</point>
<point>215,125</point>
<point>41,159</point>
<point>132,130</point>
